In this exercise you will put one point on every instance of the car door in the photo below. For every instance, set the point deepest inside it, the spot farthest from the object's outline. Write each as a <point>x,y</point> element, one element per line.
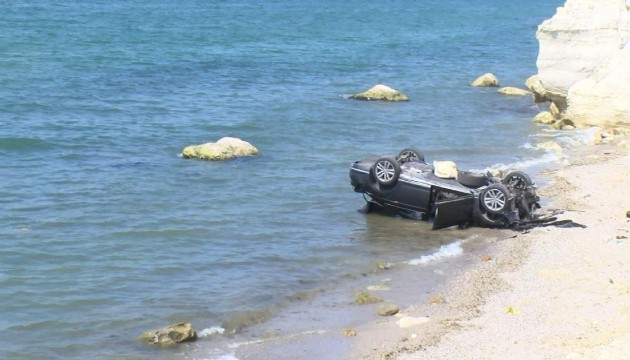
<point>454,211</point>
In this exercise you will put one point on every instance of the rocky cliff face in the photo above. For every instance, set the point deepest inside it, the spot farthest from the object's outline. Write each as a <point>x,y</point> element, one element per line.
<point>584,61</point>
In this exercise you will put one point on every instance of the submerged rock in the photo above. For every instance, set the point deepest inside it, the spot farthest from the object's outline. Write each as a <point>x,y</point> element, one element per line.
<point>487,79</point>
<point>174,334</point>
<point>366,298</point>
<point>584,61</point>
<point>381,92</point>
<point>224,149</point>
<point>508,90</point>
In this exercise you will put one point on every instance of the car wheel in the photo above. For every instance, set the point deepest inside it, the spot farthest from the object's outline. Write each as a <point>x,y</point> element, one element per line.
<point>472,179</point>
<point>517,180</point>
<point>386,170</point>
<point>494,199</point>
<point>409,155</point>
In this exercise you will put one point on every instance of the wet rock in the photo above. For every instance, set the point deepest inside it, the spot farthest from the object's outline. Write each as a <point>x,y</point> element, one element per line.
<point>487,79</point>
<point>508,90</point>
<point>387,309</point>
<point>535,86</point>
<point>436,299</point>
<point>384,265</point>
<point>381,92</point>
<point>408,321</point>
<point>564,124</point>
<point>349,332</point>
<point>544,117</point>
<point>174,334</point>
<point>366,298</point>
<point>550,145</point>
<point>555,111</point>
<point>224,149</point>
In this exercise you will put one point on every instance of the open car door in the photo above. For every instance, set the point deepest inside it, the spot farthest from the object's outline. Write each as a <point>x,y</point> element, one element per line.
<point>450,212</point>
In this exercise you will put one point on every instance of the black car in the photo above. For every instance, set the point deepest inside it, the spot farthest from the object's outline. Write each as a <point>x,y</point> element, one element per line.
<point>406,184</point>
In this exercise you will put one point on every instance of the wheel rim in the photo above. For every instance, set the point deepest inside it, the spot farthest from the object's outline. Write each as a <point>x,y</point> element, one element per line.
<point>494,199</point>
<point>385,171</point>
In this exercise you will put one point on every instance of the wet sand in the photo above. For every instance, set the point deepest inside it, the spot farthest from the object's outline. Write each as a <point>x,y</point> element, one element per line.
<point>547,293</point>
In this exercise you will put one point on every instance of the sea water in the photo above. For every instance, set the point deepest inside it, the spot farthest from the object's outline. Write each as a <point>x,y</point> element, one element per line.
<point>107,231</point>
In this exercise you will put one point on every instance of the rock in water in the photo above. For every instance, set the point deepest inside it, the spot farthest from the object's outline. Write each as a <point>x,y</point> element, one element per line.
<point>365,298</point>
<point>174,334</point>
<point>584,61</point>
<point>487,79</point>
<point>550,145</point>
<point>535,86</point>
<point>387,309</point>
<point>545,117</point>
<point>224,149</point>
<point>381,92</point>
<point>508,90</point>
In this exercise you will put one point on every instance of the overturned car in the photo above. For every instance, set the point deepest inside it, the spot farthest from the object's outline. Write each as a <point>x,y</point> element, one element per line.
<point>407,185</point>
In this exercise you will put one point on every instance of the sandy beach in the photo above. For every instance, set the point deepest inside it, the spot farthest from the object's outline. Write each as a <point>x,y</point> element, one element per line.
<point>546,293</point>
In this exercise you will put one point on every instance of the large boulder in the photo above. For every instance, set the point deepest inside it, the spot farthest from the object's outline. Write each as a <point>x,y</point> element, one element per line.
<point>584,61</point>
<point>487,79</point>
<point>381,92</point>
<point>173,334</point>
<point>225,148</point>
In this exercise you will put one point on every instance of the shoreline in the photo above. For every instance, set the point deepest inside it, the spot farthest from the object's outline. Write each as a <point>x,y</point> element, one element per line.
<point>537,297</point>
<point>330,326</point>
<point>451,311</point>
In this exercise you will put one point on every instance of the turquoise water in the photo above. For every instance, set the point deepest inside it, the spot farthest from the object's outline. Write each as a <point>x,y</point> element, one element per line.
<point>107,231</point>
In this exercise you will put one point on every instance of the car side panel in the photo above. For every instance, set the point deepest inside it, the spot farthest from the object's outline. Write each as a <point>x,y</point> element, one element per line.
<point>412,196</point>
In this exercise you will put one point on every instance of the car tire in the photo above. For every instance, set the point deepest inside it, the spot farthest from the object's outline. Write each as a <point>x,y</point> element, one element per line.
<point>410,154</point>
<point>494,198</point>
<point>472,179</point>
<point>517,180</point>
<point>386,171</point>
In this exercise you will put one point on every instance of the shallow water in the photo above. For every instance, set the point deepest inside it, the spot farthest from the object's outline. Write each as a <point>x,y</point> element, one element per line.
<point>108,232</point>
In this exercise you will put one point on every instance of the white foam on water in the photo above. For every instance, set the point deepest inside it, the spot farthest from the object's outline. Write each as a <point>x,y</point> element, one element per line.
<point>445,251</point>
<point>227,357</point>
<point>213,330</point>
<point>217,354</point>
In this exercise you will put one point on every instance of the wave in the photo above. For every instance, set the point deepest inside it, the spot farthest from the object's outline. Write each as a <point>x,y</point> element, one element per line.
<point>445,251</point>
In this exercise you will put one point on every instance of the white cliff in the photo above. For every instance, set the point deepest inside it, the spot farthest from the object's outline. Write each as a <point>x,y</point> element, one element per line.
<point>584,61</point>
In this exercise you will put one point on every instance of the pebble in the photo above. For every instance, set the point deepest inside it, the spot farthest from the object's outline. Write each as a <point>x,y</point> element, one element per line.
<point>387,309</point>
<point>436,299</point>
